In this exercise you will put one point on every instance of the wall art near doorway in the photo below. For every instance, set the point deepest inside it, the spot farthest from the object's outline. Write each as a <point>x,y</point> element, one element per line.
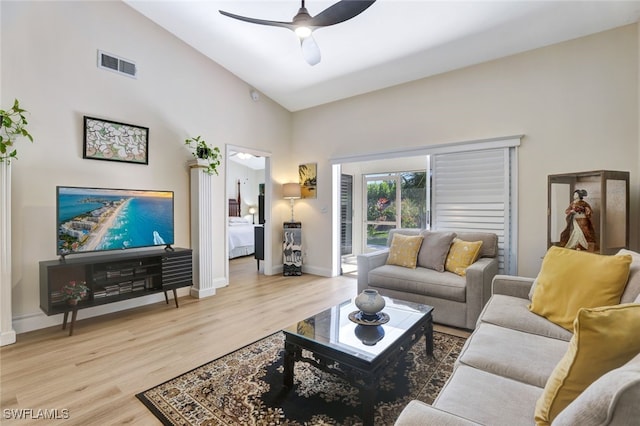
<point>308,176</point>
<point>113,141</point>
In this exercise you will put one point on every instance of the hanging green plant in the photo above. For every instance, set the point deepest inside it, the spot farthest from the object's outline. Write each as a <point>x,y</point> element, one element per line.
<point>13,124</point>
<point>201,150</point>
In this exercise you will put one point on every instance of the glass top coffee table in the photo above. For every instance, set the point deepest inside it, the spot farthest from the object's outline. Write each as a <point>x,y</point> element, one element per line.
<point>358,353</point>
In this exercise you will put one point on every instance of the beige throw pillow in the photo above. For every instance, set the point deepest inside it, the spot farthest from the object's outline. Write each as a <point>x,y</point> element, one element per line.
<point>434,249</point>
<point>632,290</point>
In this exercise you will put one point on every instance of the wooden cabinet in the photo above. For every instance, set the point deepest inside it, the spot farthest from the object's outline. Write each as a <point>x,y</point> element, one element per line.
<point>605,196</point>
<point>114,277</point>
<point>258,241</point>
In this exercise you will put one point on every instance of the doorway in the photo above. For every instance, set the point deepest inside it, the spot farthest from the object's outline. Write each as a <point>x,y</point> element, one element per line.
<point>248,184</point>
<point>348,260</point>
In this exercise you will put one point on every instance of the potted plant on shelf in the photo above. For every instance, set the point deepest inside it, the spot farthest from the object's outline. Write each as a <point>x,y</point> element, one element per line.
<point>13,124</point>
<point>204,152</point>
<point>75,292</point>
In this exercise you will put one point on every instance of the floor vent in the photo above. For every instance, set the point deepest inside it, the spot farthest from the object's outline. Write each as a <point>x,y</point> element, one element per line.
<point>110,62</point>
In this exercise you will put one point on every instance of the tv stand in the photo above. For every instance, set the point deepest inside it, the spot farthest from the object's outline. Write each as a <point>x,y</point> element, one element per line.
<point>113,278</point>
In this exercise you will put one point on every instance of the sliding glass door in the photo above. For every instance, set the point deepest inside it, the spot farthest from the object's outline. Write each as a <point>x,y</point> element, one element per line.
<point>393,200</point>
<point>382,212</point>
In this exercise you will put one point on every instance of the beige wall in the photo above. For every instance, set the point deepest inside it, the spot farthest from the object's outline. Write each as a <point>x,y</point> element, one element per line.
<point>575,102</point>
<point>49,56</point>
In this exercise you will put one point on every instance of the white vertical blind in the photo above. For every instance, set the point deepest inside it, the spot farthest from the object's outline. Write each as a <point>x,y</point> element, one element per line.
<point>472,193</point>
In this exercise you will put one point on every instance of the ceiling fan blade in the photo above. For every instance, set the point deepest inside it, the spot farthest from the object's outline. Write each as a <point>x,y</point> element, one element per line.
<point>310,50</point>
<point>288,25</point>
<point>340,12</point>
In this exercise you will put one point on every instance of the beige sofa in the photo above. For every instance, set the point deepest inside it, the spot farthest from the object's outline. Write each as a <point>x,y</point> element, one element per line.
<point>504,366</point>
<point>457,300</point>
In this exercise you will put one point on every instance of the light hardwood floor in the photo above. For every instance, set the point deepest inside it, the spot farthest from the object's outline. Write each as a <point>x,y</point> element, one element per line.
<point>96,373</point>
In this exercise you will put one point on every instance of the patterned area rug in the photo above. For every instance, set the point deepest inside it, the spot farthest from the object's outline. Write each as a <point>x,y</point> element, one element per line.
<point>245,388</point>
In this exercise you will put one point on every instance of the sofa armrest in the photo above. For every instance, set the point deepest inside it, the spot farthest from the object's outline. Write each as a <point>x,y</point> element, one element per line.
<point>417,413</point>
<point>367,262</point>
<point>479,276</point>
<point>510,285</point>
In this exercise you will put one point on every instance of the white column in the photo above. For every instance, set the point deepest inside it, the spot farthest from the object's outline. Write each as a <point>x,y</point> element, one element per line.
<point>7,333</point>
<point>203,218</point>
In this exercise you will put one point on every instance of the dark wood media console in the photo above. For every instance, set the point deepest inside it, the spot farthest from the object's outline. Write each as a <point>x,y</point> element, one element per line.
<point>114,277</point>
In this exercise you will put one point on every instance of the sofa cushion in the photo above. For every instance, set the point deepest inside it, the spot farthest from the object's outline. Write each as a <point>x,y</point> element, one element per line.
<point>527,358</point>
<point>604,338</point>
<point>404,250</point>
<point>513,312</point>
<point>571,279</point>
<point>482,397</point>
<point>632,290</point>
<point>612,399</point>
<point>427,282</point>
<point>461,255</point>
<point>415,413</point>
<point>489,242</point>
<point>434,249</point>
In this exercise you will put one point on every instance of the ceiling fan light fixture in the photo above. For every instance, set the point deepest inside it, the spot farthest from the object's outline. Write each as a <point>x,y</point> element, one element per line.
<point>303,32</point>
<point>304,24</point>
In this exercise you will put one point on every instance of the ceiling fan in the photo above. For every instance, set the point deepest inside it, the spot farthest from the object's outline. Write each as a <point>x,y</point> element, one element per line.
<point>304,24</point>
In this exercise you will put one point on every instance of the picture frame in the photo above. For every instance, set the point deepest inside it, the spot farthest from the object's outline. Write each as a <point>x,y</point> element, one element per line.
<point>114,141</point>
<point>308,180</point>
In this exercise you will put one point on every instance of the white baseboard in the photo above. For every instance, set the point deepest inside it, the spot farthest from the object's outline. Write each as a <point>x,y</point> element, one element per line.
<point>314,270</point>
<point>306,269</point>
<point>38,320</point>
<point>7,337</point>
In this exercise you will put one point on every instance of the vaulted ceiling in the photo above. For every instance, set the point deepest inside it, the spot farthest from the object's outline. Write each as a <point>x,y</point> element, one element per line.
<point>392,42</point>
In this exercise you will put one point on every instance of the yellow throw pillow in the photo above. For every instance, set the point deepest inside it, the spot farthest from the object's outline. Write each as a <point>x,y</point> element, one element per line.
<point>404,250</point>
<point>604,339</point>
<point>461,255</point>
<point>571,279</point>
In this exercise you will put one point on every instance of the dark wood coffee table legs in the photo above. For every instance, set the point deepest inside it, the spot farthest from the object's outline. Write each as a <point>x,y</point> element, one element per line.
<point>366,381</point>
<point>428,334</point>
<point>290,351</point>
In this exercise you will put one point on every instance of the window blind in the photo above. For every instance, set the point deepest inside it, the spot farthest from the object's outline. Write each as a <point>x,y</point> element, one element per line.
<point>472,192</point>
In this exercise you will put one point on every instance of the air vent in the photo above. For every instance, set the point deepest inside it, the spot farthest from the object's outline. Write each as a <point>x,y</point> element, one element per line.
<point>110,62</point>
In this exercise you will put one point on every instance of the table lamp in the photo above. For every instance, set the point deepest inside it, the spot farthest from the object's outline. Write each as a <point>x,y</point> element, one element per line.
<point>291,191</point>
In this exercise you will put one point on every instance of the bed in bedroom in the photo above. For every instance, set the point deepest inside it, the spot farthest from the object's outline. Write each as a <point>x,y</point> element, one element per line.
<point>240,230</point>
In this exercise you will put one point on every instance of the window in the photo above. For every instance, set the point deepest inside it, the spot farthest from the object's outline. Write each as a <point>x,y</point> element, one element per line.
<point>382,209</point>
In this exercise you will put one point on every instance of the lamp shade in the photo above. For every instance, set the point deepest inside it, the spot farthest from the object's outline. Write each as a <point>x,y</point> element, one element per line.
<point>291,191</point>
<point>252,210</point>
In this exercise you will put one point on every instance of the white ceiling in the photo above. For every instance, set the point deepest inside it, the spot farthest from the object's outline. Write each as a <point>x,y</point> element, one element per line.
<point>392,42</point>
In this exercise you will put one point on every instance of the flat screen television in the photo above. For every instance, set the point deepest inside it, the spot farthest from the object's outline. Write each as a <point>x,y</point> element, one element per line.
<point>99,219</point>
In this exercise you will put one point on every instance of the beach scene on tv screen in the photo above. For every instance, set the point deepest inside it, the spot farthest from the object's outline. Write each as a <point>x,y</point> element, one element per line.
<point>92,219</point>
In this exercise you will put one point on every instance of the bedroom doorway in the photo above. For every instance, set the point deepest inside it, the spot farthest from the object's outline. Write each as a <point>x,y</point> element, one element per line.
<point>248,185</point>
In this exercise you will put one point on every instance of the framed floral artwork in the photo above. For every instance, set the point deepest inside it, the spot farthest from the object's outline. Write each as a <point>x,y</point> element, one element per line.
<point>114,141</point>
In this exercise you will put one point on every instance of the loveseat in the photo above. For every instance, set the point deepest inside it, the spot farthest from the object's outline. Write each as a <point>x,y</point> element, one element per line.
<point>457,299</point>
<point>516,359</point>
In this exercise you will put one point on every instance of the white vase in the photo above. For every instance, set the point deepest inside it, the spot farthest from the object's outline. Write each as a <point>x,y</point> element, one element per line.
<point>369,302</point>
